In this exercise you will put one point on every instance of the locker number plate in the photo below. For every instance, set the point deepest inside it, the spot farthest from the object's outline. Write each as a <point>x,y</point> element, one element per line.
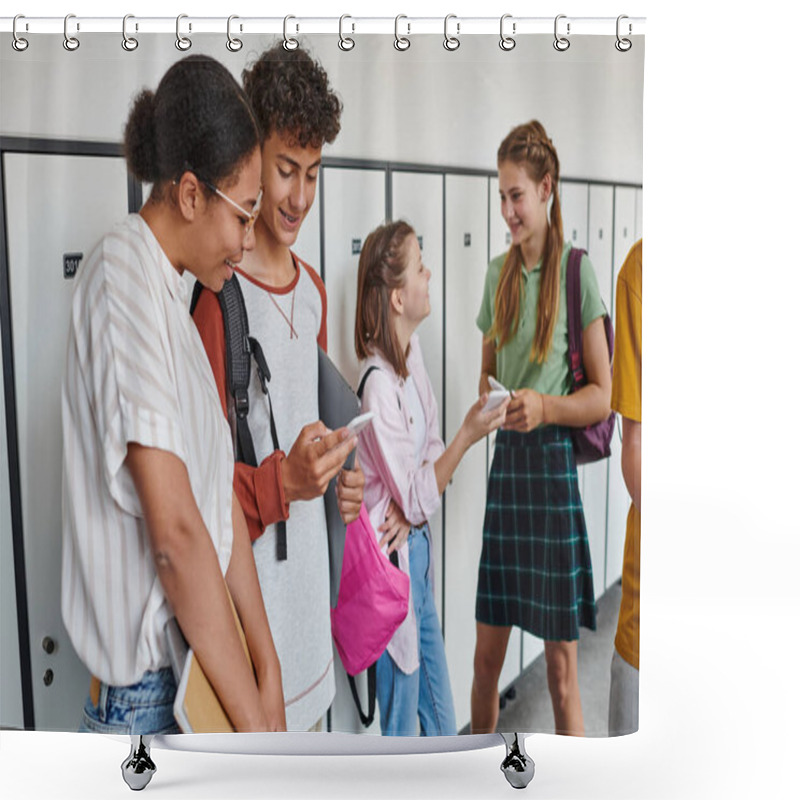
<point>467,239</point>
<point>356,246</point>
<point>71,263</point>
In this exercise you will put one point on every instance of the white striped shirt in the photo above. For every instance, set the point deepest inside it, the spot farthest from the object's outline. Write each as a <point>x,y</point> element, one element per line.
<point>136,372</point>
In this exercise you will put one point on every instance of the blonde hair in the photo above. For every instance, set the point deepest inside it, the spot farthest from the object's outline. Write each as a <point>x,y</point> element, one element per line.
<point>529,146</point>
<point>381,269</point>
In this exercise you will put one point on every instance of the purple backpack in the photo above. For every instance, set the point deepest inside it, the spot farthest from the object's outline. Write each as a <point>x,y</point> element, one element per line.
<point>594,441</point>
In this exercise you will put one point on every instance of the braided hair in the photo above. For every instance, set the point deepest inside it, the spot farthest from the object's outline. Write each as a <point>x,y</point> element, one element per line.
<point>529,146</point>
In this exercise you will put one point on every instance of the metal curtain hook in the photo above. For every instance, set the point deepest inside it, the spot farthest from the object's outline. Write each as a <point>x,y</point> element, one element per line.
<point>451,42</point>
<point>70,42</point>
<point>401,42</point>
<point>182,42</point>
<point>345,42</point>
<point>623,45</point>
<point>507,42</point>
<point>289,43</point>
<point>18,43</point>
<point>561,43</point>
<point>129,43</point>
<point>233,44</point>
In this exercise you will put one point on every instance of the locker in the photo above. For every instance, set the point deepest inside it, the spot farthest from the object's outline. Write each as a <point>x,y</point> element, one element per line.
<point>595,476</point>
<point>418,198</point>
<point>575,213</point>
<point>500,241</point>
<point>308,245</point>
<point>618,498</point>
<point>466,245</point>
<point>10,675</point>
<point>639,212</point>
<point>41,294</point>
<point>355,203</point>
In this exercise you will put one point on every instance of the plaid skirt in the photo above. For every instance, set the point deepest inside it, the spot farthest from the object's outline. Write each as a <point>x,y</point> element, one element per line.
<point>535,568</point>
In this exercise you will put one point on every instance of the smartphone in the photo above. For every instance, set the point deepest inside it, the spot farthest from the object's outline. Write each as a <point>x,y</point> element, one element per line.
<point>496,397</point>
<point>496,385</point>
<point>357,424</point>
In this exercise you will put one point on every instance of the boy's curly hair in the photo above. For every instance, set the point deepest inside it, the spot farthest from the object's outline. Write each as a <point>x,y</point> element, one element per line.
<point>289,93</point>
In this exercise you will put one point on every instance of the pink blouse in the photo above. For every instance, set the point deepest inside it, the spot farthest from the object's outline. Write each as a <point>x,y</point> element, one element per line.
<point>387,457</point>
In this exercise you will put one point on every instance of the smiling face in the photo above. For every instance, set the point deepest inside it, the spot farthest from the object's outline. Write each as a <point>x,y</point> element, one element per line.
<point>523,202</point>
<point>414,294</point>
<point>222,236</point>
<point>289,174</point>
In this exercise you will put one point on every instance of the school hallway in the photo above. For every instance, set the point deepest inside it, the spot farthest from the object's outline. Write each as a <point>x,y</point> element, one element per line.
<point>531,712</point>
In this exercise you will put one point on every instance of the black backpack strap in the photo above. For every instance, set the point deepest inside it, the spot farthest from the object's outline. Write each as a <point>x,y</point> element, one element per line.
<point>366,719</point>
<point>240,347</point>
<point>574,329</point>
<point>360,391</point>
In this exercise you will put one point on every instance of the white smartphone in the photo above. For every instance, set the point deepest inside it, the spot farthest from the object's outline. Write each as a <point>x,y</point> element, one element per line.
<point>496,397</point>
<point>496,385</point>
<point>357,424</point>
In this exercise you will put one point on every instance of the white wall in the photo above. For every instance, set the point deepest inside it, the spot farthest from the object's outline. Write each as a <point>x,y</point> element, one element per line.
<point>422,106</point>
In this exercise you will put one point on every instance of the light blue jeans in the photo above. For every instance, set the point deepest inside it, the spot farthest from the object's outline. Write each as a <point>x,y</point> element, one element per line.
<point>142,708</point>
<point>426,692</point>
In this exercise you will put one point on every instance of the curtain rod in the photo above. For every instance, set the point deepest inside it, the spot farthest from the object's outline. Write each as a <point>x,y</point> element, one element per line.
<point>451,26</point>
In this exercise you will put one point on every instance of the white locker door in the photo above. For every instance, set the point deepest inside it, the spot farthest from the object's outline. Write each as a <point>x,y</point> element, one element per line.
<point>418,198</point>
<point>575,213</point>
<point>595,476</point>
<point>618,498</point>
<point>355,204</point>
<point>466,245</point>
<point>61,205</point>
<point>308,243</point>
<point>639,212</point>
<point>10,676</point>
<point>499,234</point>
<point>499,242</point>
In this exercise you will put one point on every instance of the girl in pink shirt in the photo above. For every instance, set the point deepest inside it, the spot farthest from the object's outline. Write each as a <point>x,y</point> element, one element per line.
<point>404,460</point>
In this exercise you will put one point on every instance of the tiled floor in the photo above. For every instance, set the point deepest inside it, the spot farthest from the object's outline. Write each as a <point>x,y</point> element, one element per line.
<point>530,711</point>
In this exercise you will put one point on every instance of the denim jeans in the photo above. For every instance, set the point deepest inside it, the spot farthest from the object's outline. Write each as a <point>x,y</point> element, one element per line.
<point>426,692</point>
<point>142,708</point>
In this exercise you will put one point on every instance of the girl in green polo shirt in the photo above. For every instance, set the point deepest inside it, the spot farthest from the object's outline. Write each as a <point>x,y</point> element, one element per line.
<point>535,568</point>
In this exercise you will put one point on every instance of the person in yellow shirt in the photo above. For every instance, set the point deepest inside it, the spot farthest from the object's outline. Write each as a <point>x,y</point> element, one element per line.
<point>626,399</point>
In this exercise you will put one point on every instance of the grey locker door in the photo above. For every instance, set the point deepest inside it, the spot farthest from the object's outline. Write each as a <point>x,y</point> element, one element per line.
<point>74,200</point>
<point>10,675</point>
<point>418,198</point>
<point>618,498</point>
<point>466,245</point>
<point>595,476</point>
<point>499,242</point>
<point>355,203</point>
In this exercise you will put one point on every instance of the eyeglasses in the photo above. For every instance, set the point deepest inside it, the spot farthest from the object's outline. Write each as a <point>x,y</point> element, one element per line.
<point>252,216</point>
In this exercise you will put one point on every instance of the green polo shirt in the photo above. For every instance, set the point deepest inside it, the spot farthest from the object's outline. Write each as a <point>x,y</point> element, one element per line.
<point>515,370</point>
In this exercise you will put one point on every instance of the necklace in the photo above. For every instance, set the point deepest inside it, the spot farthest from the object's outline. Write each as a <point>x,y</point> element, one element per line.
<point>289,319</point>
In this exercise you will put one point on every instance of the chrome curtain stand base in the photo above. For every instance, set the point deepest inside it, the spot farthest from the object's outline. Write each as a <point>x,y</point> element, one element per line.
<point>138,768</point>
<point>517,766</point>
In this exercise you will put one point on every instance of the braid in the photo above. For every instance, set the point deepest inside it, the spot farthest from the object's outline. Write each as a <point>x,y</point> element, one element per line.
<point>528,145</point>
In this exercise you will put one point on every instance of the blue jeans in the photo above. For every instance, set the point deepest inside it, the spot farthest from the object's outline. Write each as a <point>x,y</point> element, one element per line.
<point>142,708</point>
<point>426,692</point>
